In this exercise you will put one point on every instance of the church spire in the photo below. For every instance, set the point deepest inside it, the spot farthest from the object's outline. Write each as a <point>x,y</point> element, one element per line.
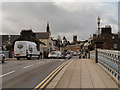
<point>48,28</point>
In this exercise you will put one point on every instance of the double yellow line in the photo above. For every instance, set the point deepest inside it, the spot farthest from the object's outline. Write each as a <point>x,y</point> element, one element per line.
<point>49,77</point>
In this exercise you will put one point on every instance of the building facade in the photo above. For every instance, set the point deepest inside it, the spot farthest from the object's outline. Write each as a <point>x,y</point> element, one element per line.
<point>74,38</point>
<point>6,40</point>
<point>106,40</point>
<point>54,44</point>
<point>45,37</point>
<point>74,48</point>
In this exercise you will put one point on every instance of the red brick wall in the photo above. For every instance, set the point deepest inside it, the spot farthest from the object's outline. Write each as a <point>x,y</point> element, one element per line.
<point>109,42</point>
<point>75,48</point>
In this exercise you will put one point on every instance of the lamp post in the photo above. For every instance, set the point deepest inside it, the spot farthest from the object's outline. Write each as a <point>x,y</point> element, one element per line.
<point>98,22</point>
<point>9,39</point>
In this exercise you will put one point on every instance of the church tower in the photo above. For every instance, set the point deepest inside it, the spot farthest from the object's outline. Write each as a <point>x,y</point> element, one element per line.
<point>48,28</point>
<point>74,38</point>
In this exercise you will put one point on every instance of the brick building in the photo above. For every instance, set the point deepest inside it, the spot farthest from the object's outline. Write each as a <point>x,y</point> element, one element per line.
<point>107,40</point>
<point>75,48</point>
<point>111,40</point>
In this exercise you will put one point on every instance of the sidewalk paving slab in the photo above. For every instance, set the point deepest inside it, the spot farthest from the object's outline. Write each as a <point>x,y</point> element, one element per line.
<point>84,73</point>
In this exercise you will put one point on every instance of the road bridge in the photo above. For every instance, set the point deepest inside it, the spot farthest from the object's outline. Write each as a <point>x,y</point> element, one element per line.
<point>64,73</point>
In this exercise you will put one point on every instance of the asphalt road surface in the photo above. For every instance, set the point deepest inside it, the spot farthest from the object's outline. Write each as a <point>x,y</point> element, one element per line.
<point>27,73</point>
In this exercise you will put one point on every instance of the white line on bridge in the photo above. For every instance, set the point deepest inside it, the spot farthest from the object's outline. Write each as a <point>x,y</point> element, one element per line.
<point>62,60</point>
<point>28,66</point>
<point>39,62</point>
<point>7,73</point>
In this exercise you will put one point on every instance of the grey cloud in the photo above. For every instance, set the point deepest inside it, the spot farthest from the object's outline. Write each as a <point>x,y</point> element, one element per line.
<point>17,16</point>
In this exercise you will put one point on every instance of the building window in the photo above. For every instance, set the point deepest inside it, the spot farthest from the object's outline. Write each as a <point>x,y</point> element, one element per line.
<point>115,46</point>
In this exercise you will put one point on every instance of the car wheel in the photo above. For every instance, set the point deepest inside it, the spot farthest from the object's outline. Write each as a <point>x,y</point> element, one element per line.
<point>18,58</point>
<point>29,58</point>
<point>38,57</point>
<point>2,60</point>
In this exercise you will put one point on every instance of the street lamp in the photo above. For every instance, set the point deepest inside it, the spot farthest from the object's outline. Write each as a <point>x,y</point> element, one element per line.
<point>9,39</point>
<point>98,22</point>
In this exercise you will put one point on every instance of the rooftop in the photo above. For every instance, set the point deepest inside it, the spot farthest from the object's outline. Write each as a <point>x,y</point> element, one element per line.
<point>42,35</point>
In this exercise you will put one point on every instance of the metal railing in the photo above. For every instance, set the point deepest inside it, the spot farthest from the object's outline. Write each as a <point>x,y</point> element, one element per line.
<point>92,55</point>
<point>6,53</point>
<point>110,61</point>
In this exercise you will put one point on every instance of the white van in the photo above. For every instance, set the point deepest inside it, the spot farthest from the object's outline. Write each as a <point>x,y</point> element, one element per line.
<point>25,49</point>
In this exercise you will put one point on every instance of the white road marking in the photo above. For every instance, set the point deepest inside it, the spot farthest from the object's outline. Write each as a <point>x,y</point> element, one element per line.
<point>62,60</point>
<point>7,73</point>
<point>39,62</point>
<point>28,66</point>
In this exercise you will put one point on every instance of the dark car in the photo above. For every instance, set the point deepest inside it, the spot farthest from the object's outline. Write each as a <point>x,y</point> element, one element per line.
<point>68,56</point>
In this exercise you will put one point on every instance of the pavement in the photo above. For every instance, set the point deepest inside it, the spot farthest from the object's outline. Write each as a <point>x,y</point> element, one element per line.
<point>82,73</point>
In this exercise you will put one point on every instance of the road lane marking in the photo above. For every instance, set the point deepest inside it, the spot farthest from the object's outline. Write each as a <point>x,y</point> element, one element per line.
<point>61,60</point>
<point>50,76</point>
<point>39,62</point>
<point>7,73</point>
<point>28,66</point>
<point>45,79</point>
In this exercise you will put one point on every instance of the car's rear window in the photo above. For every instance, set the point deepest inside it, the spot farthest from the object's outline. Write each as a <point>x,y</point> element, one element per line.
<point>52,52</point>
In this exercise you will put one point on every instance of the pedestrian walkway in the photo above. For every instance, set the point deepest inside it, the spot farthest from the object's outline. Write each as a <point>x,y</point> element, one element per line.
<point>84,73</point>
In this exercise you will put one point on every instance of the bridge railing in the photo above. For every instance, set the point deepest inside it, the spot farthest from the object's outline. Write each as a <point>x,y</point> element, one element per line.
<point>92,55</point>
<point>109,60</point>
<point>6,53</point>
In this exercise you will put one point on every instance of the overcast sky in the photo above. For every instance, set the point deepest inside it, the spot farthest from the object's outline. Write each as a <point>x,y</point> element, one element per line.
<point>65,18</point>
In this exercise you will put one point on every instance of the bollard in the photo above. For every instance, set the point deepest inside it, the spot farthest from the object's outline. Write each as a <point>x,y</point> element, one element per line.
<point>96,55</point>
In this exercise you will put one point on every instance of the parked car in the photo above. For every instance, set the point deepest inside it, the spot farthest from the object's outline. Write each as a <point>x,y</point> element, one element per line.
<point>55,54</point>
<point>2,57</point>
<point>78,53</point>
<point>52,54</point>
<point>74,53</point>
<point>63,56</point>
<point>25,49</point>
<point>81,56</point>
<point>68,56</point>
